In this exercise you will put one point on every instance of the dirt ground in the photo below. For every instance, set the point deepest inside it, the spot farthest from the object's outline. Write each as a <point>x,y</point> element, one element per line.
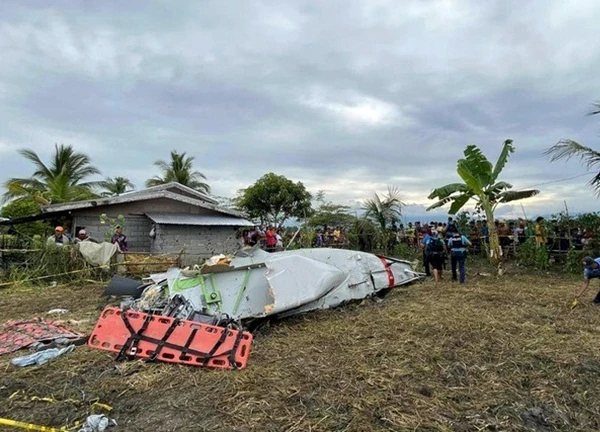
<point>494,354</point>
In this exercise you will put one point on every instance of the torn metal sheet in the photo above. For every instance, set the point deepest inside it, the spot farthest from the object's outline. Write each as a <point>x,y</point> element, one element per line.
<point>258,284</point>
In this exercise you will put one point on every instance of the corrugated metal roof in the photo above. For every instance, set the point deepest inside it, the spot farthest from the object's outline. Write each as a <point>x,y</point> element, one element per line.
<point>187,219</point>
<point>162,191</point>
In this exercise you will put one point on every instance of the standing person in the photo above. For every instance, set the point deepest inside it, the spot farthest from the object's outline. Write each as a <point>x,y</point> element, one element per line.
<point>451,227</point>
<point>59,238</point>
<point>120,239</point>
<point>540,231</point>
<point>262,238</point>
<point>458,254</point>
<point>410,235</point>
<point>591,270</point>
<point>82,236</point>
<point>436,249</point>
<point>279,238</point>
<point>426,257</point>
<point>270,239</point>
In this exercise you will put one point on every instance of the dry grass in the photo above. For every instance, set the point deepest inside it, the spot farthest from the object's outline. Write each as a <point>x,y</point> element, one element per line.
<point>145,264</point>
<point>495,354</point>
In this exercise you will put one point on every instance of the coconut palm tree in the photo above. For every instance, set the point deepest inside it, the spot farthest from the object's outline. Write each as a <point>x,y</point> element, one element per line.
<point>179,169</point>
<point>480,184</point>
<point>116,186</point>
<point>384,211</point>
<point>61,180</point>
<point>566,149</point>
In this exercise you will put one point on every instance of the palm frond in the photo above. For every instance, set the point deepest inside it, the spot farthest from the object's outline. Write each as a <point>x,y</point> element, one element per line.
<point>567,149</point>
<point>596,109</point>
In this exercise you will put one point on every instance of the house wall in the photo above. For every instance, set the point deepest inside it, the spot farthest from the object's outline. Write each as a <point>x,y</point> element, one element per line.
<point>136,229</point>
<point>199,242</point>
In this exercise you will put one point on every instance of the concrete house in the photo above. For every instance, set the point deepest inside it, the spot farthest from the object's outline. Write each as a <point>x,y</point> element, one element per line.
<point>183,219</point>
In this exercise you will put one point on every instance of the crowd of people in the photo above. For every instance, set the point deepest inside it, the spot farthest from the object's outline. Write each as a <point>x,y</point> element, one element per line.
<point>269,239</point>
<point>63,238</point>
<point>511,234</point>
<point>272,239</point>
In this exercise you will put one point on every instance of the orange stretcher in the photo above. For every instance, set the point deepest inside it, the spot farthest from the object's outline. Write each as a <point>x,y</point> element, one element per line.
<point>134,334</point>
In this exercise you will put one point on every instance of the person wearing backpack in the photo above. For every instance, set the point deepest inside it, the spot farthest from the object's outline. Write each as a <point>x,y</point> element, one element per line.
<point>426,262</point>
<point>458,254</point>
<point>435,251</point>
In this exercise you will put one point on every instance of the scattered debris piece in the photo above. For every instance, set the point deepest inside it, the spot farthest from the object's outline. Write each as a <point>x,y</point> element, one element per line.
<point>15,335</point>
<point>57,311</point>
<point>41,357</point>
<point>122,286</point>
<point>97,423</point>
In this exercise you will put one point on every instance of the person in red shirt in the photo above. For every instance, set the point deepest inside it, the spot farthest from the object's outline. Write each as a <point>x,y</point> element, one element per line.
<point>271,238</point>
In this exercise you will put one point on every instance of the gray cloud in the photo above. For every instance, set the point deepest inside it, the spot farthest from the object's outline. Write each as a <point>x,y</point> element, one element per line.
<point>346,96</point>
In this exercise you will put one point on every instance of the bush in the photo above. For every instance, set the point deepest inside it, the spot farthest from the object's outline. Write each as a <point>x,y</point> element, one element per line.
<point>402,250</point>
<point>63,264</point>
<point>534,256</point>
<point>573,261</point>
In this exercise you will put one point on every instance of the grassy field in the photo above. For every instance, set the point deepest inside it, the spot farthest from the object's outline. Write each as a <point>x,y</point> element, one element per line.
<point>494,354</point>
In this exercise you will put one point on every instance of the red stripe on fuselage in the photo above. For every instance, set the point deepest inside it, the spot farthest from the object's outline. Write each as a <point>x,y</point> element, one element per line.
<point>386,265</point>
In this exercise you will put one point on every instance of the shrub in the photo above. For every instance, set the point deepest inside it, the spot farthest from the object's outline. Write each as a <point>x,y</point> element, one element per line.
<point>532,255</point>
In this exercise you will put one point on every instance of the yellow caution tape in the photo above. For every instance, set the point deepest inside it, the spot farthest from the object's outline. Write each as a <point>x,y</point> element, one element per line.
<point>103,406</point>
<point>29,426</point>
<point>43,399</point>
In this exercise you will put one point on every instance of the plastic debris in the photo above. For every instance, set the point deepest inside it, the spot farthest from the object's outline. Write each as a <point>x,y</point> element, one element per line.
<point>57,311</point>
<point>97,423</point>
<point>41,357</point>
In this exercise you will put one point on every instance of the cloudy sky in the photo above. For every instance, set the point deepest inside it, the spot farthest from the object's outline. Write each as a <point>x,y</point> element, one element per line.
<point>345,96</point>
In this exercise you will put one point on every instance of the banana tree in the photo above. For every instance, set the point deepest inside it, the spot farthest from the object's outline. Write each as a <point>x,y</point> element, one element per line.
<point>480,184</point>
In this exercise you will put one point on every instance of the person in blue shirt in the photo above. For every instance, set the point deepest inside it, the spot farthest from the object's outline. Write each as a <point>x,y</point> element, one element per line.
<point>591,270</point>
<point>457,244</point>
<point>426,261</point>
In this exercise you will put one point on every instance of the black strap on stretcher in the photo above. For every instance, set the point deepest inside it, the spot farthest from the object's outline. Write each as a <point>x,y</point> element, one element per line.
<point>129,349</point>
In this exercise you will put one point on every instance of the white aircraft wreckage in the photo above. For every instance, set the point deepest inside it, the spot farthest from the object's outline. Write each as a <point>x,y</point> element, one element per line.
<point>257,284</point>
<point>195,317</point>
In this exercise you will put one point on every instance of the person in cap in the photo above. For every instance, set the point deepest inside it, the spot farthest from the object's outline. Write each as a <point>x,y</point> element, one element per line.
<point>59,238</point>
<point>458,255</point>
<point>82,236</point>
<point>591,270</point>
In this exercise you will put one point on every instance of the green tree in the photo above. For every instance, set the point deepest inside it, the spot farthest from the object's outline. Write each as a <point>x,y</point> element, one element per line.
<point>115,186</point>
<point>61,180</point>
<point>480,183</point>
<point>23,207</point>
<point>384,211</point>
<point>329,214</point>
<point>179,169</point>
<point>274,199</point>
